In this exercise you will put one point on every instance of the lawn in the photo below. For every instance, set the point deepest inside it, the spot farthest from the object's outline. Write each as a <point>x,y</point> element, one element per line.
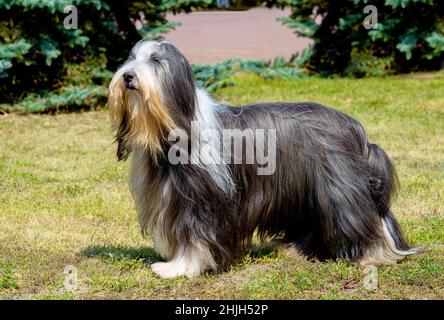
<point>64,200</point>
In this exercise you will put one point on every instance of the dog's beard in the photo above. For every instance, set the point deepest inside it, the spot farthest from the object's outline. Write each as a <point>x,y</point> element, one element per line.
<point>139,115</point>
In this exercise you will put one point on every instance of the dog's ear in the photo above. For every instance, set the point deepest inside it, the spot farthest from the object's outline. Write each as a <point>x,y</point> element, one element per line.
<point>123,147</point>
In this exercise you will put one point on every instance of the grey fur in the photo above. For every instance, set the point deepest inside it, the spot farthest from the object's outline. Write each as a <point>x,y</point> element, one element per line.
<point>329,195</point>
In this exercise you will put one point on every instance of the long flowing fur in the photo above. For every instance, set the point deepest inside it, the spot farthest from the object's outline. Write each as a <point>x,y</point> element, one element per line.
<point>329,196</point>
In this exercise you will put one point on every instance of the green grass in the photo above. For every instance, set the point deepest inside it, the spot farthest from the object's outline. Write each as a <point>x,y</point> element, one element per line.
<point>64,200</point>
<point>7,277</point>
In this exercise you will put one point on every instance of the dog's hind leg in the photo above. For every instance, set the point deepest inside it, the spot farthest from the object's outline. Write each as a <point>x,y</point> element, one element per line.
<point>189,260</point>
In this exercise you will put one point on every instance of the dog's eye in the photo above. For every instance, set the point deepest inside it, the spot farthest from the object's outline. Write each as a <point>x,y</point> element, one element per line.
<point>154,58</point>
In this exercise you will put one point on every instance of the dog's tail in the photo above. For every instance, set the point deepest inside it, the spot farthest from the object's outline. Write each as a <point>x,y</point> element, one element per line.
<point>383,183</point>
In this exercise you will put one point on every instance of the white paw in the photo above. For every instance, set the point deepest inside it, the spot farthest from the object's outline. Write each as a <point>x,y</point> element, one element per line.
<point>166,270</point>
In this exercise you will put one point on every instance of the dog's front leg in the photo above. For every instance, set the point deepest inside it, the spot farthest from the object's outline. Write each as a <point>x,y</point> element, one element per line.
<point>189,260</point>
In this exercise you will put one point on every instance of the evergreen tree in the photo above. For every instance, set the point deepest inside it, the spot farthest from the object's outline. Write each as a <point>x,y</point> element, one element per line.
<point>409,35</point>
<point>44,65</point>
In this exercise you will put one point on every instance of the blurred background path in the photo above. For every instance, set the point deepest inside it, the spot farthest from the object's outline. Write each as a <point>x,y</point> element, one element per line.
<point>206,37</point>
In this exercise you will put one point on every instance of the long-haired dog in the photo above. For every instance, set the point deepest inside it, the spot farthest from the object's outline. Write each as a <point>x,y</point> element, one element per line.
<point>329,194</point>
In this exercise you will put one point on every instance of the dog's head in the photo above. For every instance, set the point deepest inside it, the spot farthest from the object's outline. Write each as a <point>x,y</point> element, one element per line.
<point>149,95</point>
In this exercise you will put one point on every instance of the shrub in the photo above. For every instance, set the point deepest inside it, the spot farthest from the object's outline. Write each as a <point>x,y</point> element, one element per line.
<point>409,35</point>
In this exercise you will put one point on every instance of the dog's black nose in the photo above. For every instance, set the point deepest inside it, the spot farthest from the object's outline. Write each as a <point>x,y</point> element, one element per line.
<point>128,76</point>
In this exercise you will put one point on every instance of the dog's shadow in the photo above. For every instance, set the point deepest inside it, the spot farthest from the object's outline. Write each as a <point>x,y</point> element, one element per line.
<point>265,249</point>
<point>146,255</point>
